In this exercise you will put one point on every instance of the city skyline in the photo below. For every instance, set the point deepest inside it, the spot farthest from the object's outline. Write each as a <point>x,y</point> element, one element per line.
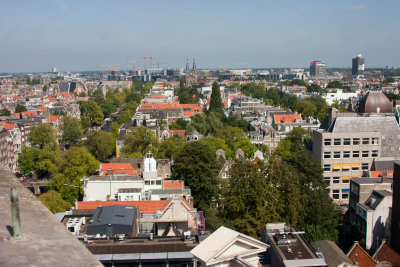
<point>79,36</point>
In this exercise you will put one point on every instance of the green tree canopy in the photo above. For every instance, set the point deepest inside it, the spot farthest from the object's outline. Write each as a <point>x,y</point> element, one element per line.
<point>54,201</point>
<point>197,165</point>
<point>73,165</point>
<point>139,141</point>
<point>43,136</point>
<point>92,111</point>
<point>250,214</point>
<point>101,144</point>
<point>233,136</point>
<point>215,100</point>
<point>5,112</point>
<point>171,147</point>
<point>71,130</point>
<point>20,108</point>
<point>335,84</point>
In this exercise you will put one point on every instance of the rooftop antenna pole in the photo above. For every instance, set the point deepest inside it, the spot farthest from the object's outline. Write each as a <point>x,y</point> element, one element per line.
<point>16,219</point>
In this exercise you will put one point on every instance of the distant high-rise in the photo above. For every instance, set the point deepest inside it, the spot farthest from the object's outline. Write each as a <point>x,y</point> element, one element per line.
<point>318,68</point>
<point>358,65</point>
<point>53,70</point>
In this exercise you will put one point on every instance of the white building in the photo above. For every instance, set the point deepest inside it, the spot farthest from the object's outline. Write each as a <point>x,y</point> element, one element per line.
<point>373,217</point>
<point>336,95</point>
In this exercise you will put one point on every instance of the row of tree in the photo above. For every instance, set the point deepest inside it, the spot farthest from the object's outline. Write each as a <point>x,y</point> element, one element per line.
<point>289,187</point>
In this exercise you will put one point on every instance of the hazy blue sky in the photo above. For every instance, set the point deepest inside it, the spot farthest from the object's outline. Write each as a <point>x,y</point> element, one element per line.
<point>79,35</point>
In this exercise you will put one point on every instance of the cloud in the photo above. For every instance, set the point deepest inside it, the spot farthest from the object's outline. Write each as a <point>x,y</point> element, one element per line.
<point>357,8</point>
<point>64,7</point>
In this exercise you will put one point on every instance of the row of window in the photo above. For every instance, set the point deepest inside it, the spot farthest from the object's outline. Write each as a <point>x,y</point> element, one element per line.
<point>337,180</point>
<point>345,167</point>
<point>349,154</point>
<point>152,182</point>
<point>349,141</point>
<point>336,194</point>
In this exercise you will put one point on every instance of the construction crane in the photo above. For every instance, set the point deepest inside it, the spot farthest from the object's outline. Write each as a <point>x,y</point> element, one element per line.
<point>133,61</point>
<point>239,63</point>
<point>106,67</point>
<point>145,62</point>
<point>159,63</point>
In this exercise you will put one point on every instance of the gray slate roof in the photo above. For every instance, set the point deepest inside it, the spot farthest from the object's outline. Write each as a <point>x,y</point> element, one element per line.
<point>111,220</point>
<point>386,125</point>
<point>332,253</point>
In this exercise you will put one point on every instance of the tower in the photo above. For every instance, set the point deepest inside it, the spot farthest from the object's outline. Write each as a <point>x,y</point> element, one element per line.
<point>318,68</point>
<point>357,67</point>
<point>191,76</point>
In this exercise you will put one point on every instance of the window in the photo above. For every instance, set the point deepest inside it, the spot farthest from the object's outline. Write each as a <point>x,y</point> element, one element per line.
<point>346,141</point>
<point>346,154</point>
<point>356,141</point>
<point>356,154</point>
<point>335,194</point>
<point>345,195</point>
<point>337,141</point>
<point>375,140</point>
<point>346,166</point>
<point>147,182</point>
<point>158,182</point>
<point>336,180</point>
<point>327,167</point>
<point>392,148</point>
<point>328,142</point>
<point>327,180</point>
<point>374,153</point>
<point>355,166</point>
<point>336,154</point>
<point>327,155</point>
<point>365,154</point>
<point>365,166</point>
<point>365,141</point>
<point>383,137</point>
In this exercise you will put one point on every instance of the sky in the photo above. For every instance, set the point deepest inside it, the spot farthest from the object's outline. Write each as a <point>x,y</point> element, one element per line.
<point>83,34</point>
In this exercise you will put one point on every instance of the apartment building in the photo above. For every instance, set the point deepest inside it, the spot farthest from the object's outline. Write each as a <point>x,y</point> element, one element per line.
<point>347,144</point>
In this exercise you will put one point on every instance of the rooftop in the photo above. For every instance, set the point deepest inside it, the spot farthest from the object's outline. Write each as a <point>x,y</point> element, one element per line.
<point>45,241</point>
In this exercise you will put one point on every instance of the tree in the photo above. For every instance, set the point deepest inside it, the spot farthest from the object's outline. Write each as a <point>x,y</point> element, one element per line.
<point>306,108</point>
<point>216,143</point>
<point>334,84</point>
<point>20,108</point>
<point>71,130</point>
<point>92,111</point>
<point>250,213</point>
<point>5,112</point>
<point>139,140</point>
<point>72,166</point>
<point>101,144</point>
<point>213,123</point>
<point>54,202</point>
<point>171,147</point>
<point>299,178</point>
<point>26,160</point>
<point>199,123</point>
<point>215,100</point>
<point>43,136</point>
<point>44,89</point>
<point>232,136</point>
<point>197,165</point>
<point>314,88</point>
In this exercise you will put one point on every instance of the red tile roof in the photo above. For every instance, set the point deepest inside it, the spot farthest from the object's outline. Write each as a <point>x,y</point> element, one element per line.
<point>9,126</point>
<point>41,108</point>
<point>145,206</point>
<point>173,184</point>
<point>286,118</point>
<point>116,168</point>
<point>52,119</point>
<point>26,114</point>
<point>376,174</point>
<point>359,255</point>
<point>386,253</point>
<point>179,133</point>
